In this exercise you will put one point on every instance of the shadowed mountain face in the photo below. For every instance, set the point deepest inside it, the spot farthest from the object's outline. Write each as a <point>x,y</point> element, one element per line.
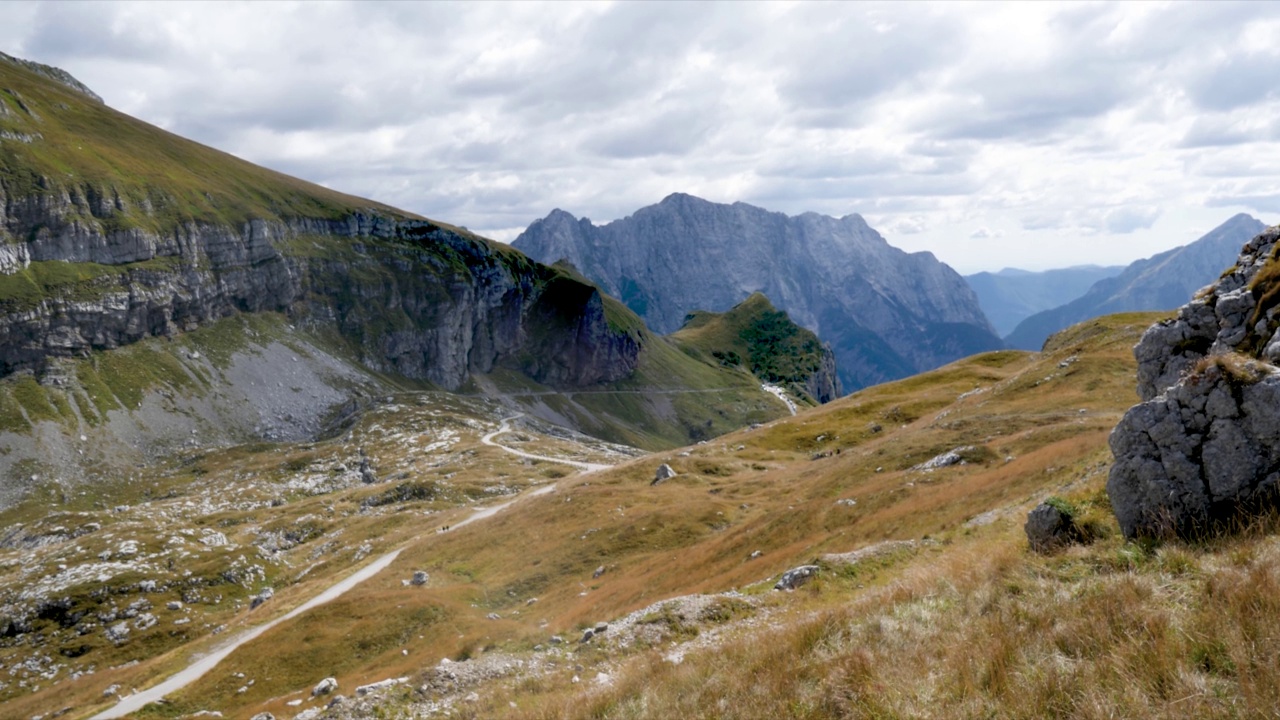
<point>1160,282</point>
<point>1010,296</point>
<point>886,313</point>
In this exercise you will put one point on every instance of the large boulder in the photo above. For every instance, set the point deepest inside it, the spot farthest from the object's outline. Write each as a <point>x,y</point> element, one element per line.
<point>1201,455</point>
<point>1202,452</point>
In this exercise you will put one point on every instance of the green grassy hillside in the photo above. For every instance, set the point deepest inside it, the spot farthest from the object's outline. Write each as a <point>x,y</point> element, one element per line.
<point>755,336</point>
<point>57,141</point>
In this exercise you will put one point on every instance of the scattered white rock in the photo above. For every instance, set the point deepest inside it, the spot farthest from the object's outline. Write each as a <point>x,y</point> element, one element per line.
<point>664,472</point>
<point>389,682</point>
<point>796,577</point>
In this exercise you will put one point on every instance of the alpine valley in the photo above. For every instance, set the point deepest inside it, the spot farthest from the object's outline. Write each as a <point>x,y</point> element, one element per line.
<point>269,451</point>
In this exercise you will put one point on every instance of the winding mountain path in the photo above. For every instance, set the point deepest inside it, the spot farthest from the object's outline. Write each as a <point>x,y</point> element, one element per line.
<point>204,664</point>
<point>505,426</point>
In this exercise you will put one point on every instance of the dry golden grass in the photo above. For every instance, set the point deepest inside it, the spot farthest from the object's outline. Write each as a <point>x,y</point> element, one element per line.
<point>963,626</point>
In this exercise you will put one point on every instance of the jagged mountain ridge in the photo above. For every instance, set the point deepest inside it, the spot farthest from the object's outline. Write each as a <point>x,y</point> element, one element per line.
<point>1011,295</point>
<point>1160,282</point>
<point>886,313</point>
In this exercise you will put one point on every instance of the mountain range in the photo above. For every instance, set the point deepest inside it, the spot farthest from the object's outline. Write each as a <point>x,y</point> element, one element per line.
<point>886,313</point>
<point>1161,282</point>
<point>1011,295</point>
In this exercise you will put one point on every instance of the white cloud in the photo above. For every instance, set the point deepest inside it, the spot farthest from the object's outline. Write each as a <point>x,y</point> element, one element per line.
<point>1126,127</point>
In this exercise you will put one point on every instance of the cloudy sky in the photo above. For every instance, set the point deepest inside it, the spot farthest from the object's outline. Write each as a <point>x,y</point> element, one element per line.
<point>1030,135</point>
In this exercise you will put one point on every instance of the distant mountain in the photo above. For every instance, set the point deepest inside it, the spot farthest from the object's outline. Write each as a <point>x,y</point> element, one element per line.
<point>1010,296</point>
<point>886,313</point>
<point>1161,282</point>
<point>755,336</point>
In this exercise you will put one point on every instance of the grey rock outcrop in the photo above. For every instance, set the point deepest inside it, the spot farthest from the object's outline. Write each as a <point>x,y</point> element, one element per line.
<point>1203,449</point>
<point>886,313</point>
<point>1161,282</point>
<point>56,74</point>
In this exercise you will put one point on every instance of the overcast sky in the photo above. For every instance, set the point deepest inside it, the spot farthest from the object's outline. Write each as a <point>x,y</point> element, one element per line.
<point>1029,135</point>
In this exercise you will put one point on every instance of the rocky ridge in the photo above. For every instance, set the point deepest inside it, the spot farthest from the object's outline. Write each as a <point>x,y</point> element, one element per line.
<point>1199,453</point>
<point>886,313</point>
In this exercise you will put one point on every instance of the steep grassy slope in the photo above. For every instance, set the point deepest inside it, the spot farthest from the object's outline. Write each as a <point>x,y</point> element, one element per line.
<point>57,140</point>
<point>742,509</point>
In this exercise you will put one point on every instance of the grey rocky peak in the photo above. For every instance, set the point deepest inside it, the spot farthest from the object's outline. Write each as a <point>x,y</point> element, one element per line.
<point>1202,452</point>
<point>885,312</point>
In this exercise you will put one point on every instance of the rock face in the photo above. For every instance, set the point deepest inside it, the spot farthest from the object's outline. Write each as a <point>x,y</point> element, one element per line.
<point>886,313</point>
<point>1203,450</point>
<point>1161,282</point>
<point>420,300</point>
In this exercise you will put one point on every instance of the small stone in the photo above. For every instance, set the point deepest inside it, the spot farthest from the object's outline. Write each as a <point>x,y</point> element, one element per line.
<point>174,605</point>
<point>1049,529</point>
<point>599,571</point>
<point>664,472</point>
<point>587,635</point>
<point>556,640</point>
<point>756,554</point>
<point>324,687</point>
<point>262,597</point>
<point>493,616</point>
<point>419,577</point>
<point>263,716</point>
<point>601,628</point>
<point>796,577</point>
